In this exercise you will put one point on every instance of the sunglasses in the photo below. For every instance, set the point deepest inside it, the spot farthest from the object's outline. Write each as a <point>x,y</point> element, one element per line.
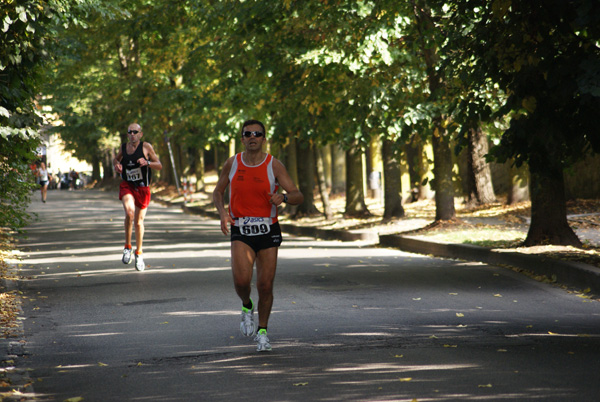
<point>248,134</point>
<point>132,131</point>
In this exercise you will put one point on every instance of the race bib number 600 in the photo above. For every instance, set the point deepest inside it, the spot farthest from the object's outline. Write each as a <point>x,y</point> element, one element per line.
<point>254,226</point>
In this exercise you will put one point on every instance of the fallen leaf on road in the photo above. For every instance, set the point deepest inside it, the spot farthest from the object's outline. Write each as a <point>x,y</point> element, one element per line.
<point>485,385</point>
<point>399,356</point>
<point>300,384</point>
<point>460,315</point>
<point>450,346</point>
<point>76,399</point>
<point>102,364</point>
<point>405,379</point>
<point>497,295</point>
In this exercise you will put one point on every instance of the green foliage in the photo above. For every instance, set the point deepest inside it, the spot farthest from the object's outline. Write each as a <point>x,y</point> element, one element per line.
<point>22,40</point>
<point>27,31</point>
<point>546,58</point>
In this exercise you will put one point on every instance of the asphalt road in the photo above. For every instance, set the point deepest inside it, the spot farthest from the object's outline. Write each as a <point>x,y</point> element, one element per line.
<point>349,323</point>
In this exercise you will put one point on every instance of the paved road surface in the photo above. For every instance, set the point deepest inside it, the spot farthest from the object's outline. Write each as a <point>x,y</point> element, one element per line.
<point>350,323</point>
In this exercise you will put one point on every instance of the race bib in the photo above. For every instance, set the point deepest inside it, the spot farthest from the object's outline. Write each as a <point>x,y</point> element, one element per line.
<point>254,226</point>
<point>133,174</point>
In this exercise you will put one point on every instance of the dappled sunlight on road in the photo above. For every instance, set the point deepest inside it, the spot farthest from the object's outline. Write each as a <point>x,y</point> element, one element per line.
<point>125,270</point>
<point>203,313</point>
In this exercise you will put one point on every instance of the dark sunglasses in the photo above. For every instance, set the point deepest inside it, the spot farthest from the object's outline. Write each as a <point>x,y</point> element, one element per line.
<point>248,134</point>
<point>132,131</point>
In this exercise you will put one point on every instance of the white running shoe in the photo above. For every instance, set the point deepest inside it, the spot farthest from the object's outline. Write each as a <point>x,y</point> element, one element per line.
<point>262,341</point>
<point>126,255</point>
<point>139,262</point>
<point>247,326</point>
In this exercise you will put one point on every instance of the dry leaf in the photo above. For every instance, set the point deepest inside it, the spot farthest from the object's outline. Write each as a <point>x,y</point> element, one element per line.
<point>300,384</point>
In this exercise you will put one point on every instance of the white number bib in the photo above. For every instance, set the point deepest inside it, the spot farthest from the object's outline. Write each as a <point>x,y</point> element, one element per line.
<point>134,174</point>
<point>254,226</point>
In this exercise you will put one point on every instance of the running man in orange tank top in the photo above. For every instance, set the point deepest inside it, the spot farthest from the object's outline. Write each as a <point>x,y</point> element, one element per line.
<point>254,178</point>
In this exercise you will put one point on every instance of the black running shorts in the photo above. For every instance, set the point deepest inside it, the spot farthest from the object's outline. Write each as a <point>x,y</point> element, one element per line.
<point>259,242</point>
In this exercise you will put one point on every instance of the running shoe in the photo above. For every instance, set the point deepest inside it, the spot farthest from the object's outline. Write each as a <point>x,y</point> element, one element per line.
<point>247,325</point>
<point>126,255</point>
<point>139,262</point>
<point>262,341</point>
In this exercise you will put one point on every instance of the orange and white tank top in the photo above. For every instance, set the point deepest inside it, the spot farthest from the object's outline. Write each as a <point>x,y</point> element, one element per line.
<point>249,188</point>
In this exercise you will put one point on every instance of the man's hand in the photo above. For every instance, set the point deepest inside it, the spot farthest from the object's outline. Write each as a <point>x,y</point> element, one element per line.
<point>276,198</point>
<point>226,220</point>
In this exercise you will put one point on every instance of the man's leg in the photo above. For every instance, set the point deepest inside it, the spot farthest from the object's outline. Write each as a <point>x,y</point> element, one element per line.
<point>266,265</point>
<point>129,207</point>
<point>242,263</point>
<point>139,215</point>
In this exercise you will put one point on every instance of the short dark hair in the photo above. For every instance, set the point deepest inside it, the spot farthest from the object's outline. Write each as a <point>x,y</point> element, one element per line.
<point>251,122</point>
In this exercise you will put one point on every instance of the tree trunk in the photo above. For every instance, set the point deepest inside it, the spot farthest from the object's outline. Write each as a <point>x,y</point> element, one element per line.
<point>326,154</point>
<point>95,167</point>
<point>375,168</point>
<point>199,169</point>
<point>479,171</point>
<point>306,180</point>
<point>442,154</point>
<point>549,209</point>
<point>416,168</point>
<point>392,191</point>
<point>322,183</point>
<point>355,195</point>
<point>166,173</point>
<point>338,169</point>
<point>291,160</point>
<point>442,171</point>
<point>518,186</point>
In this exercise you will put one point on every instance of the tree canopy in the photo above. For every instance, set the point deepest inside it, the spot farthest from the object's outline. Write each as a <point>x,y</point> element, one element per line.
<point>322,72</point>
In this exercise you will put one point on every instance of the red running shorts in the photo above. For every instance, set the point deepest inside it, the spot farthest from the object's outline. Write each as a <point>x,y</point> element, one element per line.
<point>141,195</point>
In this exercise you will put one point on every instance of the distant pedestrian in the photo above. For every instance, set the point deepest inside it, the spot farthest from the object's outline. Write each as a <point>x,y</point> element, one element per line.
<point>254,178</point>
<point>134,163</point>
<point>44,179</point>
